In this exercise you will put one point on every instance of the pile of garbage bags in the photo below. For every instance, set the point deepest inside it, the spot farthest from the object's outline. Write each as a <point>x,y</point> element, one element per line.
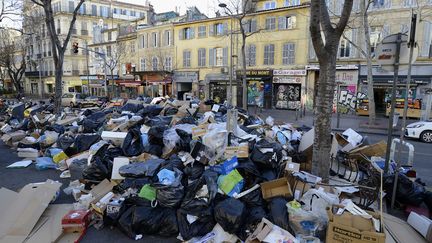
<point>179,169</point>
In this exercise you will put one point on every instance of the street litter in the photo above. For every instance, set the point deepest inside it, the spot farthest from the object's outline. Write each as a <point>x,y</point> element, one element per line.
<point>201,172</point>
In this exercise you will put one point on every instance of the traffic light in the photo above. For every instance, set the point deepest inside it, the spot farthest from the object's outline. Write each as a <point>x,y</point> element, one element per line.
<point>75,47</point>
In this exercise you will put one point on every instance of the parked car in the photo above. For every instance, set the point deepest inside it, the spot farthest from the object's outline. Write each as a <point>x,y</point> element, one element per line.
<point>118,101</point>
<point>91,101</point>
<point>420,130</point>
<point>72,100</point>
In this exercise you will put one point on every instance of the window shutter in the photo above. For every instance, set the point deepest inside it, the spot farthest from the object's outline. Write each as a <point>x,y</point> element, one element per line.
<point>354,40</point>
<point>171,37</point>
<point>246,24</point>
<point>282,23</point>
<point>211,30</point>
<point>225,56</point>
<point>253,24</point>
<point>225,28</point>
<point>184,58</point>
<point>211,57</point>
<point>293,20</point>
<point>253,55</point>
<point>192,31</point>
<point>181,34</point>
<point>146,40</point>
<point>387,4</point>
<point>426,39</point>
<point>385,31</point>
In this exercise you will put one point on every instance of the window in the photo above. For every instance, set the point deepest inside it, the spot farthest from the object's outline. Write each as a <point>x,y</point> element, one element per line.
<point>250,25</point>
<point>142,15</point>
<point>219,57</point>
<point>142,42</point>
<point>167,38</point>
<point>289,3</point>
<point>269,5</point>
<point>250,55</point>
<point>104,11</point>
<point>269,51</point>
<point>270,23</point>
<point>168,64</point>
<point>56,7</point>
<point>202,31</point>
<point>154,39</point>
<point>142,64</point>
<point>133,13</point>
<point>94,10</point>
<point>187,34</point>
<point>375,37</point>
<point>109,51</point>
<point>71,6</point>
<point>186,58</point>
<point>115,11</point>
<point>201,57</point>
<point>288,55</point>
<point>83,9</point>
<point>155,63</point>
<point>345,45</point>
<point>381,4</point>
<point>132,46</point>
<point>219,29</point>
<point>109,36</point>
<point>425,48</point>
<point>287,22</point>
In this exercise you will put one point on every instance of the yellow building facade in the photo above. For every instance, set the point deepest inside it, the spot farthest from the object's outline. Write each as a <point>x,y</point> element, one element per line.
<point>276,55</point>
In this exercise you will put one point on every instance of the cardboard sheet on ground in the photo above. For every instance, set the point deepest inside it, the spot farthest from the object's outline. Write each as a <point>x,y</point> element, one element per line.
<point>22,211</point>
<point>118,162</point>
<point>397,230</point>
<point>20,164</point>
<point>48,229</point>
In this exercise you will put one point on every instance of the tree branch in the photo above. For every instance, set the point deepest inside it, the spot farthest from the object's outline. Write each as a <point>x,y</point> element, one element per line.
<point>346,12</point>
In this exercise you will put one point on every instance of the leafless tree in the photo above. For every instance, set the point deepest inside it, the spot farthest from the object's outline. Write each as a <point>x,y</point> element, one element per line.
<point>113,60</point>
<point>12,58</point>
<point>10,10</point>
<point>58,43</point>
<point>239,10</point>
<point>325,38</point>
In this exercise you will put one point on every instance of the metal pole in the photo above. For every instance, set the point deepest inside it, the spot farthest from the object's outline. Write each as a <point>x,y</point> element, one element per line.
<point>88,69</point>
<point>411,46</point>
<point>230,94</point>
<point>393,102</point>
<point>106,75</point>
<point>337,106</point>
<point>40,77</point>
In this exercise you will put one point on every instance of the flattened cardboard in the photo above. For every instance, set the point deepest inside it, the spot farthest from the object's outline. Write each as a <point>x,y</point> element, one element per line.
<point>199,131</point>
<point>422,224</point>
<point>378,149</point>
<point>118,162</point>
<point>307,140</point>
<point>48,229</point>
<point>100,190</point>
<point>239,151</point>
<point>398,230</point>
<point>116,138</point>
<point>22,214</point>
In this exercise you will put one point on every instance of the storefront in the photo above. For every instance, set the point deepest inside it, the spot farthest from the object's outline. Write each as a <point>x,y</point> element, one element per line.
<point>184,83</point>
<point>259,88</point>
<point>288,89</point>
<point>154,83</point>
<point>383,83</point>
<point>94,83</point>
<point>74,86</point>
<point>216,87</point>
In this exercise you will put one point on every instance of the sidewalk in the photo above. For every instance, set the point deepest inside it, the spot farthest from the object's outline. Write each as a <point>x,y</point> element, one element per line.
<point>358,123</point>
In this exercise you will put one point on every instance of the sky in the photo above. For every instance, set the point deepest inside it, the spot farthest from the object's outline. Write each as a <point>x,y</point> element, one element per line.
<point>207,7</point>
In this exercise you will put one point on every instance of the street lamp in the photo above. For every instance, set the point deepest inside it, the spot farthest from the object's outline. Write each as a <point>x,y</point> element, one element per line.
<point>223,5</point>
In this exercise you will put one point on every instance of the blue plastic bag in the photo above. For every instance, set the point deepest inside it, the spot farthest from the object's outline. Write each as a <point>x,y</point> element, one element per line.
<point>166,177</point>
<point>45,163</point>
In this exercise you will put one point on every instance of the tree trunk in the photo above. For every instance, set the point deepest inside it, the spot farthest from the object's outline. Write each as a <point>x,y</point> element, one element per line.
<point>58,82</point>
<point>113,94</point>
<point>370,91</point>
<point>322,119</point>
<point>243,76</point>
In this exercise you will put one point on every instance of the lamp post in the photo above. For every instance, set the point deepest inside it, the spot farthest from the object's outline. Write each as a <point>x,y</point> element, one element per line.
<point>230,95</point>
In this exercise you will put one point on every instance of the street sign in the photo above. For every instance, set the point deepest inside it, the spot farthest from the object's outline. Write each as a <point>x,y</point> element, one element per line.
<point>386,53</point>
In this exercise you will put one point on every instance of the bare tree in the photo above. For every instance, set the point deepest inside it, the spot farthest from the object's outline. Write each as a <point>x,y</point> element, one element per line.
<point>238,10</point>
<point>113,60</point>
<point>10,10</point>
<point>325,38</point>
<point>58,44</point>
<point>12,58</point>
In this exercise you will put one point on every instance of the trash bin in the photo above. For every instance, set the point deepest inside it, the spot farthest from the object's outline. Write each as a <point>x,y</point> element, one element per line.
<point>395,119</point>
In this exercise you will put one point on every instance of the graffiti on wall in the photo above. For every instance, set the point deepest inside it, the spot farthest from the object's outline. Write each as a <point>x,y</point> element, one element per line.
<point>288,96</point>
<point>347,99</point>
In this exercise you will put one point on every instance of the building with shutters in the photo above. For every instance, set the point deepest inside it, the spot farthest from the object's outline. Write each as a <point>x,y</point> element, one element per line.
<point>278,42</point>
<point>99,15</point>
<point>386,17</point>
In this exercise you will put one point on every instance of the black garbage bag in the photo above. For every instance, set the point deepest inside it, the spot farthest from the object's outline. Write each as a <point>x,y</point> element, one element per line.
<point>18,111</point>
<point>253,218</point>
<point>230,214</point>
<point>249,172</point>
<point>192,199</point>
<point>155,135</point>
<point>83,142</point>
<point>56,128</point>
<point>153,149</point>
<point>408,192</point>
<point>183,144</point>
<point>170,196</point>
<point>113,219</point>
<point>170,111</point>
<point>65,141</point>
<point>173,162</point>
<point>154,221</point>
<point>279,212</point>
<point>187,120</point>
<point>150,111</point>
<point>158,121</point>
<point>200,227</point>
<point>253,120</point>
<point>132,144</point>
<point>125,222</point>
<point>32,145</point>
<point>428,200</point>
<point>266,154</point>
<point>77,168</point>
<point>194,171</point>
<point>134,183</point>
<point>269,175</point>
<point>90,126</point>
<point>253,198</point>
<point>141,169</point>
<point>98,170</point>
<point>130,107</point>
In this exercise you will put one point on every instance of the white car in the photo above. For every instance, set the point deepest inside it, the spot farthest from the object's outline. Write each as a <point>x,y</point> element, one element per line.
<point>420,130</point>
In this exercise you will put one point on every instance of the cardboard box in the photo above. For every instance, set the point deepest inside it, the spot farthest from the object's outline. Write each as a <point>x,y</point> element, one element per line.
<point>398,230</point>
<point>422,224</point>
<point>378,149</point>
<point>199,131</point>
<point>279,187</point>
<point>115,138</point>
<point>353,228</point>
<point>292,167</point>
<point>266,231</point>
<point>298,186</point>
<point>75,221</point>
<point>117,163</point>
<point>238,151</point>
<point>100,190</point>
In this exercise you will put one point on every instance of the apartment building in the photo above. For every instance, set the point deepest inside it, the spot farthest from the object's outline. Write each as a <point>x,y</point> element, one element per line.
<point>94,16</point>
<point>386,17</point>
<point>276,54</point>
